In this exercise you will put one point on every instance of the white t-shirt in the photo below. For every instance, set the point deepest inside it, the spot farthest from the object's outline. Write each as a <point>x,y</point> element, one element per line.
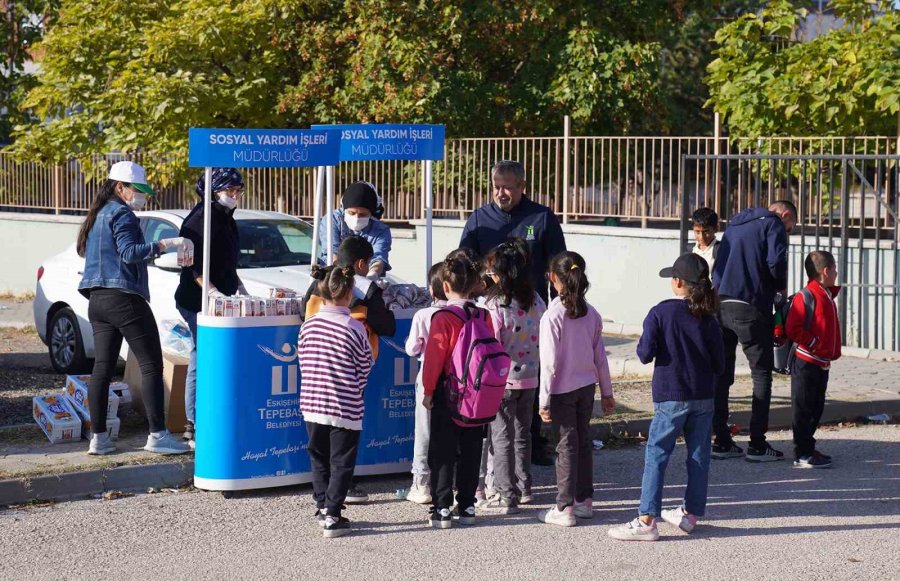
<point>707,254</point>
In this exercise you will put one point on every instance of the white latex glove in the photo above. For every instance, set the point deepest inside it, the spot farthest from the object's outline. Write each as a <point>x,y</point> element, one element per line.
<point>373,275</point>
<point>214,293</point>
<point>242,291</point>
<point>167,244</point>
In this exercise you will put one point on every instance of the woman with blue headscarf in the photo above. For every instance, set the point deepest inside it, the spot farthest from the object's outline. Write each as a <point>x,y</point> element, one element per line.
<point>224,250</point>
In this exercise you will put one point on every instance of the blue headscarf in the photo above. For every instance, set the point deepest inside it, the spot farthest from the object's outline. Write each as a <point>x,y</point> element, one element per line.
<point>223,178</point>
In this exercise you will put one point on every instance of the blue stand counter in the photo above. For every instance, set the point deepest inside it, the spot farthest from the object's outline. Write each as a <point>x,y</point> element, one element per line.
<point>249,430</point>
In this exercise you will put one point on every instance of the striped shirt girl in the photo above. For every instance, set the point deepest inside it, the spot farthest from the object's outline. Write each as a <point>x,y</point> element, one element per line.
<point>335,361</point>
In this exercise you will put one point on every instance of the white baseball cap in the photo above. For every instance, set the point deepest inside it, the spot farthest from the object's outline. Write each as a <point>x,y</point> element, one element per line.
<point>132,173</point>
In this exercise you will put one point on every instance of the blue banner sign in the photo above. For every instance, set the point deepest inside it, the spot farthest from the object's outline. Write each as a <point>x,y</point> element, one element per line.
<point>390,142</point>
<point>263,147</point>
<point>250,432</point>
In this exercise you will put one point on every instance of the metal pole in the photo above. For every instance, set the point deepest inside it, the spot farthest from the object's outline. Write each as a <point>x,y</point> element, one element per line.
<point>329,209</point>
<point>207,232</point>
<point>717,136</point>
<point>567,122</point>
<point>845,258</point>
<point>683,219</point>
<point>427,179</point>
<point>317,207</point>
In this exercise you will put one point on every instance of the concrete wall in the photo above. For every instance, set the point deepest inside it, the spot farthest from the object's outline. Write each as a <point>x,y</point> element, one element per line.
<point>25,241</point>
<point>622,264</point>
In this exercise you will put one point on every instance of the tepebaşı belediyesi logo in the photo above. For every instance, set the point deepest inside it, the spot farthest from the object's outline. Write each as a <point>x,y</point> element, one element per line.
<point>287,356</point>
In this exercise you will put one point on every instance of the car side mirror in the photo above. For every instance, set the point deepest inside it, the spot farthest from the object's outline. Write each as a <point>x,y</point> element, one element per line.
<point>168,262</point>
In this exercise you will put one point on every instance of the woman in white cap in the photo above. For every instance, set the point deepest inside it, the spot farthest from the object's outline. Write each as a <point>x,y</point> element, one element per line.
<point>115,283</point>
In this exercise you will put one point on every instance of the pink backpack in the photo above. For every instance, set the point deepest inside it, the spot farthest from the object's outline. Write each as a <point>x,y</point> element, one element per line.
<point>478,370</point>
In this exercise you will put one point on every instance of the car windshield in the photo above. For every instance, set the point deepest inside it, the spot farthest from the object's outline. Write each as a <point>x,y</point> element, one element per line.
<point>268,243</point>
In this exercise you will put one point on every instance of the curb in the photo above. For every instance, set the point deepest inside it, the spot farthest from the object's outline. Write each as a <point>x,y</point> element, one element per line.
<point>76,485</point>
<point>623,366</point>
<point>780,418</point>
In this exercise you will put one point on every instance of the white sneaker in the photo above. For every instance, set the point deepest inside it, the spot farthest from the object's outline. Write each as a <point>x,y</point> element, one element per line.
<point>677,517</point>
<point>554,516</point>
<point>166,444</point>
<point>584,509</point>
<point>419,491</point>
<point>636,530</point>
<point>101,444</point>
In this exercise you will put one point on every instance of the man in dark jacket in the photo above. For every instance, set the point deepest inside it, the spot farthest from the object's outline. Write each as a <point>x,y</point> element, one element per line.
<point>512,215</point>
<point>751,268</point>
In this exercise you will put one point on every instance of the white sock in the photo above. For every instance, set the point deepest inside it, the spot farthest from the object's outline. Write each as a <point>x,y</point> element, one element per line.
<point>102,437</point>
<point>159,435</point>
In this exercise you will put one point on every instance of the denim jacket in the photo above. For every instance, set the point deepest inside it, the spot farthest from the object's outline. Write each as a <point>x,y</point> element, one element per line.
<point>377,233</point>
<point>116,255</point>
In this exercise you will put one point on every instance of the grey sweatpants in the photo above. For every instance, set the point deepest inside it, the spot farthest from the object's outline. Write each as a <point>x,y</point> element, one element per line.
<point>510,436</point>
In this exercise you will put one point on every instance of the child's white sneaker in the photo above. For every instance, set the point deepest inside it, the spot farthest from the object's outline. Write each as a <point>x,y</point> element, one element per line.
<point>636,530</point>
<point>679,518</point>
<point>554,516</point>
<point>584,509</point>
<point>419,491</point>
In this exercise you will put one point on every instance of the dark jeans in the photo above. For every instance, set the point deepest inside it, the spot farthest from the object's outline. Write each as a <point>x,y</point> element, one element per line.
<point>332,456</point>
<point>745,324</point>
<point>113,315</point>
<point>448,440</point>
<point>511,440</point>
<point>808,385</point>
<point>574,461</point>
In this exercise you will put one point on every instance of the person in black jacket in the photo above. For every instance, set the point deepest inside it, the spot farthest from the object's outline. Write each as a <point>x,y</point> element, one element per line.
<point>513,215</point>
<point>227,186</point>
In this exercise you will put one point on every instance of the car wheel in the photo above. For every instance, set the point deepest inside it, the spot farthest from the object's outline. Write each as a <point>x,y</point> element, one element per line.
<point>65,344</point>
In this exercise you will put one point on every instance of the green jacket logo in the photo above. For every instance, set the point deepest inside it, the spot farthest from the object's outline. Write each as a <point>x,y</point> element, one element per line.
<point>529,232</point>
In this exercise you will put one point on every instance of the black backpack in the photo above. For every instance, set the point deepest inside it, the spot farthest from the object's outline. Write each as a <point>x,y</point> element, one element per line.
<point>784,355</point>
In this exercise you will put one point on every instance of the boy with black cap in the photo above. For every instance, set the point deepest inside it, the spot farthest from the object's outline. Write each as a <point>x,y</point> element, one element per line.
<point>359,215</point>
<point>682,335</point>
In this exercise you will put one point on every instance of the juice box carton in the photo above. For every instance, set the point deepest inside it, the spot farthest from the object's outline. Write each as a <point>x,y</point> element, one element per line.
<point>57,418</point>
<point>77,390</point>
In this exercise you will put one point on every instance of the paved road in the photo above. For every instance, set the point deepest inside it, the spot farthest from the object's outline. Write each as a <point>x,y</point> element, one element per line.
<point>765,522</point>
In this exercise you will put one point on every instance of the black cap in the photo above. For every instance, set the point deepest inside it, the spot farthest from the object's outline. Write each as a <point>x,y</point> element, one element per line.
<point>690,268</point>
<point>360,195</point>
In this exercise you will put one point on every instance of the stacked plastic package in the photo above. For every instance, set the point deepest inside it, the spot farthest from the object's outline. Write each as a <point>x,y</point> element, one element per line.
<point>280,302</point>
<point>66,417</point>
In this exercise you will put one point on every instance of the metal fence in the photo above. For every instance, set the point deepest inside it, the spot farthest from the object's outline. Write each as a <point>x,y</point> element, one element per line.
<point>847,204</point>
<point>605,179</point>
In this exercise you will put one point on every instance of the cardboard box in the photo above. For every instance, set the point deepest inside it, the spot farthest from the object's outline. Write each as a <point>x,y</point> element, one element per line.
<point>113,424</point>
<point>56,416</point>
<point>174,375</point>
<point>77,390</point>
<point>124,393</point>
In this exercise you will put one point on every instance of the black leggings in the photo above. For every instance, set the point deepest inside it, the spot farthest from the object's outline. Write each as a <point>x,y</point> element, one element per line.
<point>115,314</point>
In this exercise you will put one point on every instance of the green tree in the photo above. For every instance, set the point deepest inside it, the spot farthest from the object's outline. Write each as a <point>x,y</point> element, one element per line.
<point>845,82</point>
<point>21,27</point>
<point>134,75</point>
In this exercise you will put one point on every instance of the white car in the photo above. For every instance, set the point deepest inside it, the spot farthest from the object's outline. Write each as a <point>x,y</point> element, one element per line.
<point>275,252</point>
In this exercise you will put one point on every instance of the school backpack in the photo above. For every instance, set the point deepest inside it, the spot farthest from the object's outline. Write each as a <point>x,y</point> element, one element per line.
<point>479,368</point>
<point>785,354</point>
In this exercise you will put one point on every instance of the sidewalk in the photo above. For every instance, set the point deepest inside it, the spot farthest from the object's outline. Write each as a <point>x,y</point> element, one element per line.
<point>32,468</point>
<point>16,313</point>
<point>857,387</point>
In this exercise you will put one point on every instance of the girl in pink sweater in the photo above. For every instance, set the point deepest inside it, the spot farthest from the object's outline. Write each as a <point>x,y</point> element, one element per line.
<point>573,362</point>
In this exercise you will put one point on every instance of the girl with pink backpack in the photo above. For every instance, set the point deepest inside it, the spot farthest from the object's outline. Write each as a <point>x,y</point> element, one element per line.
<point>573,362</point>
<point>464,378</point>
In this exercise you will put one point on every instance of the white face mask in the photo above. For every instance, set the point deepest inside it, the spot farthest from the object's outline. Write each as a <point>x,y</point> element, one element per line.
<point>356,223</point>
<point>227,201</point>
<point>137,202</point>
